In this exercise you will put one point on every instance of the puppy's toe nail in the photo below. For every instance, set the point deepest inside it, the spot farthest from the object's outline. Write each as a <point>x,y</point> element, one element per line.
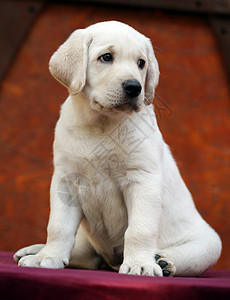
<point>162,264</point>
<point>166,273</point>
<point>157,256</point>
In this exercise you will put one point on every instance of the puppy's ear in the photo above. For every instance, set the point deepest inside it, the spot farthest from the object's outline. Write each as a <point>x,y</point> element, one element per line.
<point>69,63</point>
<point>152,76</point>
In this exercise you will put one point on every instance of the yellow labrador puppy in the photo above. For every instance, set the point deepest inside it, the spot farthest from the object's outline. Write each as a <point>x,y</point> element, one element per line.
<point>116,193</point>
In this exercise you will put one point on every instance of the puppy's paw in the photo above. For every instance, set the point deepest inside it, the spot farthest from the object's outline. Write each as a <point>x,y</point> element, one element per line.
<point>167,266</point>
<point>136,268</point>
<point>39,261</point>
<point>30,250</point>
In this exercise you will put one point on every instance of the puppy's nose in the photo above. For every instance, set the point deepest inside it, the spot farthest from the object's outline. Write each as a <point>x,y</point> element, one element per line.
<point>132,88</point>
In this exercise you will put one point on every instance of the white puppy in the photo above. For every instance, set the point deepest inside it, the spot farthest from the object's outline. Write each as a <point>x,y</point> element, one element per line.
<point>116,193</point>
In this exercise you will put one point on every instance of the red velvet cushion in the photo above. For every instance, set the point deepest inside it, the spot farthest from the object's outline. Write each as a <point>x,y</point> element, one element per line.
<point>34,283</point>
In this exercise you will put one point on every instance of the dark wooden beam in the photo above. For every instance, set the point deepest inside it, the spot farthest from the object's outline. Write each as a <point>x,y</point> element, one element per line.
<point>16,18</point>
<point>202,6</point>
<point>221,27</point>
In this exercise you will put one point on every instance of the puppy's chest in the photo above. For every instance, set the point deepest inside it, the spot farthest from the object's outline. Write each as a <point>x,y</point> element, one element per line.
<point>114,153</point>
<point>106,159</point>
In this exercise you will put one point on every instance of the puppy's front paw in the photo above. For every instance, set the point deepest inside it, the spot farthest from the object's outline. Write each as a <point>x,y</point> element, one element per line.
<point>167,266</point>
<point>137,268</point>
<point>30,250</point>
<point>40,261</point>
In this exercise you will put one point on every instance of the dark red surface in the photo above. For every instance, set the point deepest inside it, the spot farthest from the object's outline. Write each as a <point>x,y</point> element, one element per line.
<point>34,283</point>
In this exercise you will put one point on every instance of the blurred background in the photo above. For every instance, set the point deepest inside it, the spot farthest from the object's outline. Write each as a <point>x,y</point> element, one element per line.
<point>192,44</point>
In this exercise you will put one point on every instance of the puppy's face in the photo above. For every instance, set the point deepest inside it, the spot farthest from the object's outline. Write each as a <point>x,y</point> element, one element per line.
<point>111,63</point>
<point>116,72</point>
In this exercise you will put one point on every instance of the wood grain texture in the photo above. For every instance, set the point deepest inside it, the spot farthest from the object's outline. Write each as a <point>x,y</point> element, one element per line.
<point>192,105</point>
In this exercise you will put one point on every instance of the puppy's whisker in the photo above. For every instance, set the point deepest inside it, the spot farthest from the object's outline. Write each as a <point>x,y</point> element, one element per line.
<point>157,49</point>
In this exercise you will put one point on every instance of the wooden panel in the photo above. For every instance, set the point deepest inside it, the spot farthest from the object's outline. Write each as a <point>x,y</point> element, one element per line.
<point>192,105</point>
<point>16,18</point>
<point>201,6</point>
<point>221,26</point>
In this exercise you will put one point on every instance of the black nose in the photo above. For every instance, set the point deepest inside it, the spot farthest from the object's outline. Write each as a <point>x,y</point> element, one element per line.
<point>132,88</point>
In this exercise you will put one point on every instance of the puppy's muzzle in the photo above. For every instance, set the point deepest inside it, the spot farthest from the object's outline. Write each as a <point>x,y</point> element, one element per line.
<point>132,89</point>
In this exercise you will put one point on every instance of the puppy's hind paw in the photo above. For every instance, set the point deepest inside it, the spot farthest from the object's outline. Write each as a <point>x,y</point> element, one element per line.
<point>166,265</point>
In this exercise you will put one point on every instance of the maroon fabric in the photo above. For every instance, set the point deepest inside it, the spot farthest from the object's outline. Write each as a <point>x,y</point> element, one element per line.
<point>34,283</point>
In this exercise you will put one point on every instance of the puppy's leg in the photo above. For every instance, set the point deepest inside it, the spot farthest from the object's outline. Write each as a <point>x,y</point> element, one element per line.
<point>83,255</point>
<point>194,256</point>
<point>143,201</point>
<point>63,224</point>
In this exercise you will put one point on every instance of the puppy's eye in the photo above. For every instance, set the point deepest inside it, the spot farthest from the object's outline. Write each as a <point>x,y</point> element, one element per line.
<point>141,63</point>
<point>107,57</point>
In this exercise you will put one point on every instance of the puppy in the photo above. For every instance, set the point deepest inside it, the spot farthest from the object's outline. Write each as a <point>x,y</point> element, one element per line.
<point>116,194</point>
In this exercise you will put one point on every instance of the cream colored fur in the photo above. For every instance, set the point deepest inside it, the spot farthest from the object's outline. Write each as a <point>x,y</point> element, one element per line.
<point>116,191</point>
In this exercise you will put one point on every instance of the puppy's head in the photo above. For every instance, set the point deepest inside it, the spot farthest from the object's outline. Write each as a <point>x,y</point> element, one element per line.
<point>111,63</point>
